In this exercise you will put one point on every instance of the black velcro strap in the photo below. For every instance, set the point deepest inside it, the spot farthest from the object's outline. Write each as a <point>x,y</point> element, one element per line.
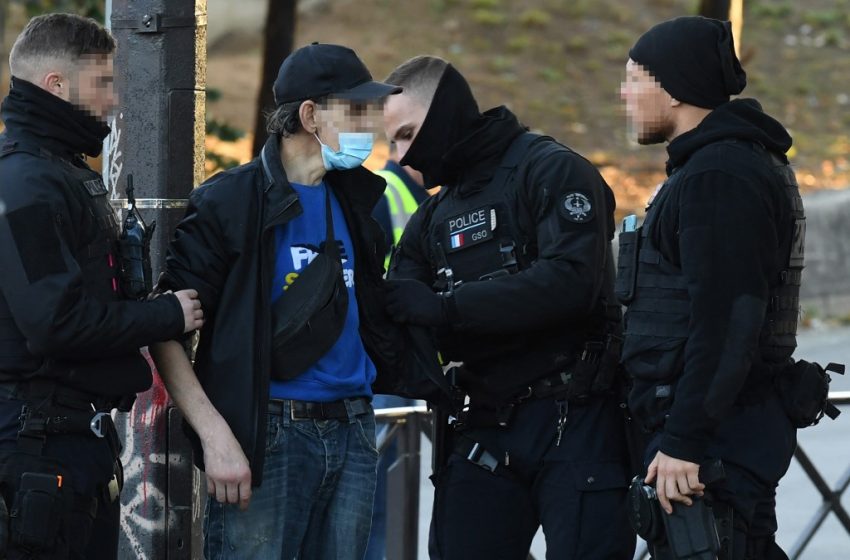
<point>831,410</point>
<point>37,241</point>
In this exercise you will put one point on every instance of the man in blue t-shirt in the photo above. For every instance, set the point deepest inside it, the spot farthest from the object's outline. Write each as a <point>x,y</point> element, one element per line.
<point>288,452</point>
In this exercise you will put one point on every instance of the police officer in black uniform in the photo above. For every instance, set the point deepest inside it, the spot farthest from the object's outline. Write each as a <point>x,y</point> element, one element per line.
<point>711,280</point>
<point>510,264</point>
<point>69,335</point>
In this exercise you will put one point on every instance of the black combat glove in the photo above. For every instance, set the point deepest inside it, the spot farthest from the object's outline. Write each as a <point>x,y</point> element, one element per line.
<point>411,301</point>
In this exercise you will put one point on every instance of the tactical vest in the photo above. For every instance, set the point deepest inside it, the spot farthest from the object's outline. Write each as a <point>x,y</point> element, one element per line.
<point>659,307</point>
<point>95,250</point>
<point>491,232</point>
<point>478,236</point>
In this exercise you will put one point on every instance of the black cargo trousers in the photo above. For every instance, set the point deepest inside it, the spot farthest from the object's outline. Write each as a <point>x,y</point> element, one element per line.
<point>77,520</point>
<point>576,490</point>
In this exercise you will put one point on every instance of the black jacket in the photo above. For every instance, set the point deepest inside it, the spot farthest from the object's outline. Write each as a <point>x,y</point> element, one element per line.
<point>224,248</point>
<point>516,328</point>
<point>726,224</point>
<point>61,314</point>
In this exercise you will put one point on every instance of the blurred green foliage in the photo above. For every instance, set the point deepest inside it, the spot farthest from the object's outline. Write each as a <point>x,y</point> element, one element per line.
<point>89,8</point>
<point>224,132</point>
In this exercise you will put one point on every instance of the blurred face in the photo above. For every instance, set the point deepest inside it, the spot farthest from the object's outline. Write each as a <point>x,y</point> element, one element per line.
<point>648,105</point>
<point>89,86</point>
<point>403,117</point>
<point>341,115</point>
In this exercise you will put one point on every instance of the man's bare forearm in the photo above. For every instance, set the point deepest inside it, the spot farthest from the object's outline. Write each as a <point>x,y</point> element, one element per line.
<point>185,390</point>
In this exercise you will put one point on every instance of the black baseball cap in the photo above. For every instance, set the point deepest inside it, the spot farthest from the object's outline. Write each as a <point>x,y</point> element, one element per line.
<point>318,70</point>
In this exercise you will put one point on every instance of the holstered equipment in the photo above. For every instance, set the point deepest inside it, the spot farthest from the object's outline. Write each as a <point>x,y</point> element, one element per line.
<point>701,531</point>
<point>134,249</point>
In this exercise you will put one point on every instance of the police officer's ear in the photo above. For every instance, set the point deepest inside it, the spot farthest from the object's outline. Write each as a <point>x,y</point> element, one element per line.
<point>307,115</point>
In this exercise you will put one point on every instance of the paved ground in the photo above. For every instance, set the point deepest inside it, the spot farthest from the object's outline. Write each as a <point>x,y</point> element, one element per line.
<point>827,444</point>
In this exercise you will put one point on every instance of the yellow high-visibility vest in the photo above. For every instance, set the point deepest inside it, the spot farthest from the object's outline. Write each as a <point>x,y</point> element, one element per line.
<point>401,201</point>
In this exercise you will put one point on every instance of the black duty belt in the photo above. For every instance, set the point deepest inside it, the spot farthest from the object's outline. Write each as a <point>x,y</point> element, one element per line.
<point>51,409</point>
<point>307,410</point>
<point>61,395</point>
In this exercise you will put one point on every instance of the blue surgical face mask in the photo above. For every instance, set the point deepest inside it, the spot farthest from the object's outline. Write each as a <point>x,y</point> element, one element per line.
<point>354,148</point>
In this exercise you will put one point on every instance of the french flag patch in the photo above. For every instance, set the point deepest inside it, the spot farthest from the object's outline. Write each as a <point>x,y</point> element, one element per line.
<point>457,241</point>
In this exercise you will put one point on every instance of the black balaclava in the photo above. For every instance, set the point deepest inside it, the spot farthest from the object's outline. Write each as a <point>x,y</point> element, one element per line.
<point>453,112</point>
<point>693,58</point>
<point>37,113</point>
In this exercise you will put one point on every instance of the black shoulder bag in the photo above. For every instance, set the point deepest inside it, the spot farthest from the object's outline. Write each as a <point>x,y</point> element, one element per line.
<point>308,318</point>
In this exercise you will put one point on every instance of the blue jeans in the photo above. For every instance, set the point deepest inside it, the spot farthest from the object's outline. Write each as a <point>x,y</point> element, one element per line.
<point>316,498</point>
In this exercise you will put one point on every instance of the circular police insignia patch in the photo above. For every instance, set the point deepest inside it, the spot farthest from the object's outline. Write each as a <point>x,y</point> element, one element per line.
<point>576,207</point>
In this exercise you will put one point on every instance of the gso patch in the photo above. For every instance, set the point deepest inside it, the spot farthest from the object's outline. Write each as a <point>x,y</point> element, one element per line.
<point>470,228</point>
<point>576,207</point>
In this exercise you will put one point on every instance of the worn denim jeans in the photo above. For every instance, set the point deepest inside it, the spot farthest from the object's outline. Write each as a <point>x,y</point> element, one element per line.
<point>315,502</point>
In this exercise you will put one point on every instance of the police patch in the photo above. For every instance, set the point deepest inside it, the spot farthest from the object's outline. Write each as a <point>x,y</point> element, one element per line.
<point>576,207</point>
<point>470,228</point>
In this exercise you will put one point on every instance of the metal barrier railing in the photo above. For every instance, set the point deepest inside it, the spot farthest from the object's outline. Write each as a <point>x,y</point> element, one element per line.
<point>831,497</point>
<point>405,425</point>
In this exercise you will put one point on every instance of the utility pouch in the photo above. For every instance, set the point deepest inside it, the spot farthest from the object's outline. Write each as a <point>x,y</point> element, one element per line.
<point>308,317</point>
<point>441,439</point>
<point>627,261</point>
<point>594,372</point>
<point>585,371</point>
<point>804,390</point>
<point>37,512</point>
<point>609,365</point>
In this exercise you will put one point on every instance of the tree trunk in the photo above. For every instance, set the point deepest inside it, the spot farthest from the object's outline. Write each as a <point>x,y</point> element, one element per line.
<point>717,9</point>
<point>732,10</point>
<point>277,44</point>
<point>736,16</point>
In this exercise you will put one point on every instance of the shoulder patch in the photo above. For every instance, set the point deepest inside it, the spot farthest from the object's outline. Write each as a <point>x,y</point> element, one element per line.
<point>576,207</point>
<point>95,187</point>
<point>36,240</point>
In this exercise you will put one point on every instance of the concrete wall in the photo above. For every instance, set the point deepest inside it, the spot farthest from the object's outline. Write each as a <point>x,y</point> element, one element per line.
<point>826,278</point>
<point>227,17</point>
<point>247,17</point>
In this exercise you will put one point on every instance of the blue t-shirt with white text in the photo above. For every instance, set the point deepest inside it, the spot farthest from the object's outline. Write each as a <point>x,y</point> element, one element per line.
<point>346,370</point>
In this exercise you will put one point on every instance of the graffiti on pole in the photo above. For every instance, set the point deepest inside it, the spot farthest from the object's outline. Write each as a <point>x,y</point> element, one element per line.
<point>113,162</point>
<point>143,502</point>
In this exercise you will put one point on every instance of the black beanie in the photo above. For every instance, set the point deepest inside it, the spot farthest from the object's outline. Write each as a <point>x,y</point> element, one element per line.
<point>693,58</point>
